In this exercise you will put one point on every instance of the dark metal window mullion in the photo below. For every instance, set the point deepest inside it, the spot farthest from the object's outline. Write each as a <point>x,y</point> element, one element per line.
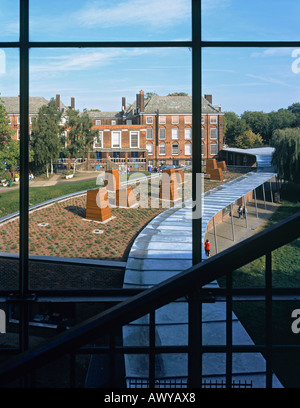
<point>24,171</point>
<point>196,129</point>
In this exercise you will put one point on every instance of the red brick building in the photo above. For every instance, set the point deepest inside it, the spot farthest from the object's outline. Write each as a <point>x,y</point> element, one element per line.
<point>153,131</point>
<point>158,130</point>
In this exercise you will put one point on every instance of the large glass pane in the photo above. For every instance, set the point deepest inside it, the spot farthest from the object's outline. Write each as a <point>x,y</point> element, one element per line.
<point>9,166</point>
<point>120,98</point>
<point>9,20</point>
<point>117,20</point>
<point>233,20</point>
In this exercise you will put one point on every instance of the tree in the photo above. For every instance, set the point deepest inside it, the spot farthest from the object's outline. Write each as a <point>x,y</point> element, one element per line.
<point>286,157</point>
<point>248,140</point>
<point>150,94</point>
<point>258,122</point>
<point>46,136</point>
<point>233,127</point>
<point>178,94</point>
<point>80,133</point>
<point>10,156</point>
<point>283,118</point>
<point>6,131</point>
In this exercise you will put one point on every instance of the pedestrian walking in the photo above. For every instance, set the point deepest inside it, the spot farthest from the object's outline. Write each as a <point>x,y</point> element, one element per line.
<point>240,211</point>
<point>207,248</point>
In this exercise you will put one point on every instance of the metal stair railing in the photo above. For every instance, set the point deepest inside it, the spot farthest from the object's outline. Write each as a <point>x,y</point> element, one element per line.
<point>189,284</point>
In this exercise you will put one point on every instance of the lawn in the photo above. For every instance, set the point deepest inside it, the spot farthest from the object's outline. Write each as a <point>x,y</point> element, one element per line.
<point>286,273</point>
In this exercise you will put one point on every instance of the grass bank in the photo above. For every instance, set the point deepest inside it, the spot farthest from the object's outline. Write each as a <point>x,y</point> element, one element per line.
<point>286,273</point>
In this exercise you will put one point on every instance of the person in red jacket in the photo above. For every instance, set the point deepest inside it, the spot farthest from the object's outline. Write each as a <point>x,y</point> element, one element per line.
<point>207,248</point>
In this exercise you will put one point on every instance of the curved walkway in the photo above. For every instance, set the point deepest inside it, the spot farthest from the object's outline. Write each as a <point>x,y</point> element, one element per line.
<point>163,249</point>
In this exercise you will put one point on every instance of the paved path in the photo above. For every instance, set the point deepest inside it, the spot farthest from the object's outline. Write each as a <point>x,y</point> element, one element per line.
<point>163,249</point>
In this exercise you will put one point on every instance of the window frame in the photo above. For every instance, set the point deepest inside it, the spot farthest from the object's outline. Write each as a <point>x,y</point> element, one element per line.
<point>173,145</point>
<point>165,148</point>
<point>176,136</point>
<point>213,137</point>
<point>189,145</point>
<point>159,134</point>
<point>112,144</point>
<point>138,139</point>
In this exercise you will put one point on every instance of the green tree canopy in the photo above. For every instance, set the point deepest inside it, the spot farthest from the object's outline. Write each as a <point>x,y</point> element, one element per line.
<point>178,94</point>
<point>258,122</point>
<point>150,94</point>
<point>10,155</point>
<point>248,140</point>
<point>80,133</point>
<point>286,157</point>
<point>46,136</point>
<point>234,126</point>
<point>283,118</point>
<point>6,131</point>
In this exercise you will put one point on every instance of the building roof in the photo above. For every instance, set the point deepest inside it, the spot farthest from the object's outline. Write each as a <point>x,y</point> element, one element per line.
<point>105,115</point>
<point>254,151</point>
<point>12,104</point>
<point>171,105</point>
<point>176,105</point>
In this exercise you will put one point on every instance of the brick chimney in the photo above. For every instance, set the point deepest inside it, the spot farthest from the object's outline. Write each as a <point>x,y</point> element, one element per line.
<point>123,103</point>
<point>72,103</point>
<point>58,100</point>
<point>142,100</point>
<point>208,98</point>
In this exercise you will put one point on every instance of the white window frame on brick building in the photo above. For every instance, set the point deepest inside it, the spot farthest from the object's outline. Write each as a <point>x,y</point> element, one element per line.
<point>128,122</point>
<point>98,142</point>
<point>202,149</point>
<point>98,122</point>
<point>213,149</point>
<point>175,119</point>
<point>188,133</point>
<point>202,119</point>
<point>134,139</point>
<point>214,133</point>
<point>18,119</point>
<point>188,120</point>
<point>149,134</point>
<point>162,119</point>
<point>203,133</point>
<point>188,149</point>
<point>164,131</point>
<point>18,134</point>
<point>175,133</point>
<point>162,147</point>
<point>175,149</point>
<point>113,122</point>
<point>213,120</point>
<point>149,147</point>
<point>113,145</point>
<point>149,120</point>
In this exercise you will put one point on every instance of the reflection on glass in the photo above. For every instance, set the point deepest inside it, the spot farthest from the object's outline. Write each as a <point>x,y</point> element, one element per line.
<point>118,20</point>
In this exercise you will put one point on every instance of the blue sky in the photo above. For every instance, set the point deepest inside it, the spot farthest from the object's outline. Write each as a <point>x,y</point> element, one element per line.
<point>239,79</point>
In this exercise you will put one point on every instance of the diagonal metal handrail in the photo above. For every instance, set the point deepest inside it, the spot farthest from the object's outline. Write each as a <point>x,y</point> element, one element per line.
<point>169,290</point>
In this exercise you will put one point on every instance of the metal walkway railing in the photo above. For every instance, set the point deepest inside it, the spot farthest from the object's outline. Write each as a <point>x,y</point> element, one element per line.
<point>190,284</point>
